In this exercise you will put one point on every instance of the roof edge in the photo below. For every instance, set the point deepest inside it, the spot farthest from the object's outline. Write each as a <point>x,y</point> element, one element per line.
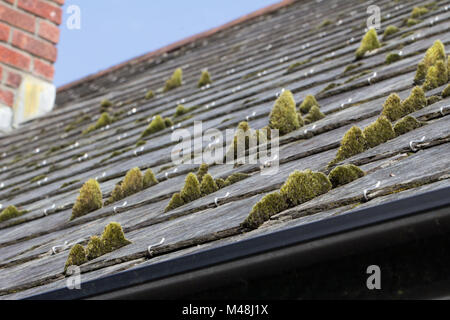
<point>180,43</point>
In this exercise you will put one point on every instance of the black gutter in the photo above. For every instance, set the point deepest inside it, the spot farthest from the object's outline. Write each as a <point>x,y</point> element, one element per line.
<point>360,230</point>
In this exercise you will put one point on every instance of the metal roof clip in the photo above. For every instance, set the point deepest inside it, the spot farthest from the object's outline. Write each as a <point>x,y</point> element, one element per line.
<point>412,144</point>
<point>216,200</point>
<point>366,191</point>
<point>149,249</point>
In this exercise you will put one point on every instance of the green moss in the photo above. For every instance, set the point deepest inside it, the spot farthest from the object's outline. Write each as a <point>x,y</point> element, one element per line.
<point>156,125</point>
<point>149,179</point>
<point>235,177</point>
<point>90,199</point>
<point>412,22</point>
<point>302,186</point>
<point>205,79</point>
<point>73,125</point>
<point>369,42</point>
<point>308,103</point>
<point>168,122</point>
<point>113,237</point>
<point>296,65</point>
<point>191,190</point>
<point>392,107</point>
<point>141,143</point>
<point>95,248</point>
<point>446,92</point>
<point>268,206</point>
<point>392,57</point>
<point>243,133</point>
<point>175,81</point>
<point>417,12</point>
<point>352,67</point>
<point>313,115</point>
<point>175,202</point>
<point>116,195</point>
<point>437,75</point>
<point>202,170</point>
<point>284,115</point>
<point>324,23</point>
<point>390,30</point>
<point>149,95</point>
<point>180,110</point>
<point>208,185</point>
<point>433,54</point>
<point>433,99</point>
<point>10,213</point>
<point>378,132</point>
<point>38,178</point>
<point>105,103</point>
<point>301,122</point>
<point>416,101</point>
<point>352,143</point>
<point>66,184</point>
<point>77,256</point>
<point>344,174</point>
<point>220,183</point>
<point>133,182</point>
<point>103,121</point>
<point>330,87</point>
<point>406,124</point>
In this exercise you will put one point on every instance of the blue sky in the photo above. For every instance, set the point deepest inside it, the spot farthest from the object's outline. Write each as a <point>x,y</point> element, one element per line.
<point>113,31</point>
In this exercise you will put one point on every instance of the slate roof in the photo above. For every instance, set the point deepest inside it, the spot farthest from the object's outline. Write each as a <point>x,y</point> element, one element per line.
<point>248,62</point>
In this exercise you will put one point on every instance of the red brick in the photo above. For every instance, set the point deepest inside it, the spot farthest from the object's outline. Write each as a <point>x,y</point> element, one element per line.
<point>16,18</point>
<point>37,47</point>
<point>10,1</point>
<point>4,32</point>
<point>7,97</point>
<point>13,79</point>
<point>14,58</point>
<point>60,2</point>
<point>43,9</point>
<point>43,69</point>
<point>1,74</point>
<point>49,31</point>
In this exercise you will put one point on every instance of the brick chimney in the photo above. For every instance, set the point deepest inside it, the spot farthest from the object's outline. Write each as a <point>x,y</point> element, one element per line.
<point>28,36</point>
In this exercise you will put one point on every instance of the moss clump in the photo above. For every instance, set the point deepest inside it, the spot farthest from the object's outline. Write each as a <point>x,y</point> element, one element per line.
<point>149,179</point>
<point>168,122</point>
<point>437,75</point>
<point>433,99</point>
<point>390,30</point>
<point>406,124</point>
<point>205,79</point>
<point>344,174</point>
<point>352,143</point>
<point>378,132</point>
<point>297,64</point>
<point>235,177</point>
<point>10,213</point>
<point>416,101</point>
<point>175,81</point>
<point>268,206</point>
<point>103,121</point>
<point>313,115</point>
<point>90,199</point>
<point>116,195</point>
<point>180,110</point>
<point>325,23</point>
<point>308,103</point>
<point>149,95</point>
<point>105,105</point>
<point>133,182</point>
<point>220,183</point>
<point>95,248</point>
<point>77,256</point>
<point>202,170</point>
<point>369,42</point>
<point>412,22</point>
<point>417,12</point>
<point>392,107</point>
<point>191,190</point>
<point>434,54</point>
<point>446,92</point>
<point>113,237</point>
<point>284,116</point>
<point>392,57</point>
<point>156,125</point>
<point>141,143</point>
<point>243,134</point>
<point>208,185</point>
<point>38,178</point>
<point>175,202</point>
<point>302,186</point>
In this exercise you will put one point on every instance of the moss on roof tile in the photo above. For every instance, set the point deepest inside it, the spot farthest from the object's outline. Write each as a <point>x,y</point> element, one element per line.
<point>368,43</point>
